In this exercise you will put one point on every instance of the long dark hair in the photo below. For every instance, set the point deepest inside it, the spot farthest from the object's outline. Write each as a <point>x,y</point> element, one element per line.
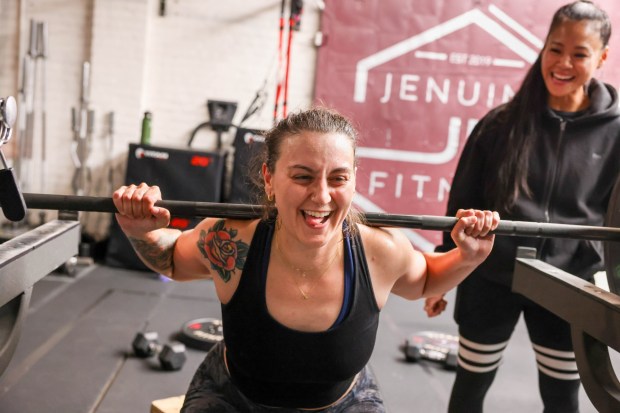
<point>522,116</point>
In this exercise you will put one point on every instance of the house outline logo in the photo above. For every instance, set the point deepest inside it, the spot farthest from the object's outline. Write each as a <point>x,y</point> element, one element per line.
<point>498,30</point>
<point>500,26</point>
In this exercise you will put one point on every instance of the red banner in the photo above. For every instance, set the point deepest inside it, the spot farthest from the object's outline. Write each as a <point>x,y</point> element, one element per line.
<point>416,76</point>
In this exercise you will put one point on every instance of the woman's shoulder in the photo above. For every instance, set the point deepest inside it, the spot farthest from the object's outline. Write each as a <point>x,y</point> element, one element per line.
<point>382,242</point>
<point>389,255</point>
<point>493,119</point>
<point>230,229</point>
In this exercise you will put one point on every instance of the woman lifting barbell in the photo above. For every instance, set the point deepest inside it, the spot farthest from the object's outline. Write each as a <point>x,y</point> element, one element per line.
<point>301,288</point>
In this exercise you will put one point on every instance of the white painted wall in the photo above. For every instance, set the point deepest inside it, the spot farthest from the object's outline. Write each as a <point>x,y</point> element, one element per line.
<point>170,65</point>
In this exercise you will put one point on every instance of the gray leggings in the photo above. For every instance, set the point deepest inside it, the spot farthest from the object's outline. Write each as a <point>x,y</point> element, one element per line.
<point>211,390</point>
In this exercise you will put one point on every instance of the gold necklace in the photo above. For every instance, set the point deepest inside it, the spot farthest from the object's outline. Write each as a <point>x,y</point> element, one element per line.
<point>304,272</point>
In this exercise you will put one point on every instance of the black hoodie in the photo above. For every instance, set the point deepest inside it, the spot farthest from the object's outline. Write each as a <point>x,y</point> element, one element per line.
<point>573,167</point>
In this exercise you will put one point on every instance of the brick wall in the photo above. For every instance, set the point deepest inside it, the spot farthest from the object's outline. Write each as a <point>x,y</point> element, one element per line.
<point>169,65</point>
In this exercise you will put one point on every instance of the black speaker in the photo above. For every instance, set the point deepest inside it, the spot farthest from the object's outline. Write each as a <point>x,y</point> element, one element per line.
<point>248,144</point>
<point>181,174</point>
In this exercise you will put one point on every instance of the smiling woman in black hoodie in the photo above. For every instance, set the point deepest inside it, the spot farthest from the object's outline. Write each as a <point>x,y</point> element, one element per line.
<point>548,155</point>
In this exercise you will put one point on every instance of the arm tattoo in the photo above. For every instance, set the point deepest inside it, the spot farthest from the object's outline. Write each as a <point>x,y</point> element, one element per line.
<point>159,254</point>
<point>221,249</point>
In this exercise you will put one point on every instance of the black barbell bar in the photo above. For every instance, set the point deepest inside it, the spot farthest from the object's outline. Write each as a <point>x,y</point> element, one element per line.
<point>190,209</point>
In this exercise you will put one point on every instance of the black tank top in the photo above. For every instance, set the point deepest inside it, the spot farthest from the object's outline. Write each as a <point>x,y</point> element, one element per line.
<point>277,366</point>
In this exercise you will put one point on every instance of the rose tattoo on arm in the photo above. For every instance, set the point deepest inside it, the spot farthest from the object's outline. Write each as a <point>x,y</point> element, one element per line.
<point>221,249</point>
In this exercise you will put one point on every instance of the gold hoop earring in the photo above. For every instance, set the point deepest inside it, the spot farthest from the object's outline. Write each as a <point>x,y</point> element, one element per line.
<point>270,197</point>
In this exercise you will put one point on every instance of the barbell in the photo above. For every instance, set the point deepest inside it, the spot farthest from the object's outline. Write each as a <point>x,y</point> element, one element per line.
<point>192,209</point>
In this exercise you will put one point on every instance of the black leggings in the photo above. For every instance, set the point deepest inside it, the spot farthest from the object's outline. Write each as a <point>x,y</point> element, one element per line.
<point>487,314</point>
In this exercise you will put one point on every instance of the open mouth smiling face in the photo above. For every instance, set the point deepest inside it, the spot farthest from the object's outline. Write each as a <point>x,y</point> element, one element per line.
<point>314,183</point>
<point>316,216</point>
<point>571,55</point>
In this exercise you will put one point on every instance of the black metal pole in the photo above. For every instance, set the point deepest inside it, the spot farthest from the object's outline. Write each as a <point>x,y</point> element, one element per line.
<point>242,211</point>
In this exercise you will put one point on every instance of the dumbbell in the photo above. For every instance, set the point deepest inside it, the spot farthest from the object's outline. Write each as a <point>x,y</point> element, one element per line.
<point>171,356</point>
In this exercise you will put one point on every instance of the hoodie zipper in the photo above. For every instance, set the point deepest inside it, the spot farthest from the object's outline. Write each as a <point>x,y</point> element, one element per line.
<point>551,187</point>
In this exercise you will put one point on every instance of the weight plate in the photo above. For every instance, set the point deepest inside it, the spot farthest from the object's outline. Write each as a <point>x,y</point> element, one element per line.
<point>432,345</point>
<point>8,111</point>
<point>12,315</point>
<point>612,248</point>
<point>202,333</point>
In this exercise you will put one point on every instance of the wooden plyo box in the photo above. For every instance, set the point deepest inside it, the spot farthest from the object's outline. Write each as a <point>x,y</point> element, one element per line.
<point>168,405</point>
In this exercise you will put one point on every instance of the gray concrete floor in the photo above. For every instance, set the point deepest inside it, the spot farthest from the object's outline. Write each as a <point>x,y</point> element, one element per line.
<point>74,353</point>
